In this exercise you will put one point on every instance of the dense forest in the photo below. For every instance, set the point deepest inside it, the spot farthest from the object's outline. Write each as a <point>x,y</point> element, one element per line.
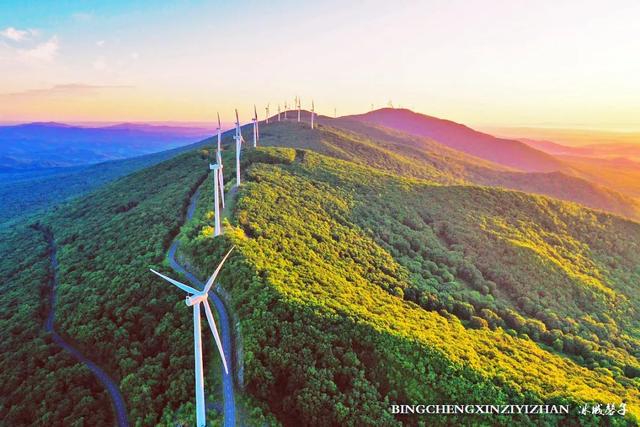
<point>39,383</point>
<point>334,315</point>
<point>107,304</point>
<point>368,271</point>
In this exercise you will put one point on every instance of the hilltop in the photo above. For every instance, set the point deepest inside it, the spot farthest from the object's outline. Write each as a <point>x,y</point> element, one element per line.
<point>508,152</point>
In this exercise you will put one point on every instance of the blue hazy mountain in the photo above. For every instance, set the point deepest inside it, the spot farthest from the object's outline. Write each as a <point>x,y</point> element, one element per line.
<point>36,146</point>
<point>24,192</point>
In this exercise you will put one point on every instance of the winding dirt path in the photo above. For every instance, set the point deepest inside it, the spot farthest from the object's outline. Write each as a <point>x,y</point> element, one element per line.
<point>228,391</point>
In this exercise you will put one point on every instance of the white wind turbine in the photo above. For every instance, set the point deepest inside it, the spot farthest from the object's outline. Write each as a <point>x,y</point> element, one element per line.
<point>195,298</point>
<point>219,134</point>
<point>312,113</point>
<point>298,102</point>
<point>239,140</point>
<point>266,120</point>
<point>278,112</point>
<point>256,131</point>
<point>285,110</point>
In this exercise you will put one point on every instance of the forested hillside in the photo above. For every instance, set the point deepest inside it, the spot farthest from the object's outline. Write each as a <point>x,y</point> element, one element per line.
<point>419,157</point>
<point>39,383</point>
<point>329,322</point>
<point>108,303</point>
<point>368,271</point>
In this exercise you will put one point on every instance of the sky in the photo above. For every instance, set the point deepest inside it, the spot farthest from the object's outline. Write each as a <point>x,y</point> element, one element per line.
<point>571,64</point>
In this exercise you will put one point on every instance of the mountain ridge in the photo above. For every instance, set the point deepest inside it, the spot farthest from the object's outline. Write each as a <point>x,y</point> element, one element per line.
<point>503,151</point>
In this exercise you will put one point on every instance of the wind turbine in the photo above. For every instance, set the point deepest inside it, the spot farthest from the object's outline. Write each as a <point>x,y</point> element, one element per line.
<point>256,135</point>
<point>195,298</point>
<point>215,167</point>
<point>285,110</point>
<point>278,112</point>
<point>266,121</point>
<point>219,134</point>
<point>298,99</point>
<point>239,140</point>
<point>312,113</point>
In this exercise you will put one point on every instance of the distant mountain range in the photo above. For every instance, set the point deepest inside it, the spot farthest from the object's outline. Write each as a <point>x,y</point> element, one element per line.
<point>36,146</point>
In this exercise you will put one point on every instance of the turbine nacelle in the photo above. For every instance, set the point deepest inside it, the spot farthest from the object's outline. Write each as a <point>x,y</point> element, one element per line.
<point>195,299</point>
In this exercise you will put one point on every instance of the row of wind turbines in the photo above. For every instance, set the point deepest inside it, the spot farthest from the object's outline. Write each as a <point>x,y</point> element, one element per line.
<point>218,177</point>
<point>196,298</point>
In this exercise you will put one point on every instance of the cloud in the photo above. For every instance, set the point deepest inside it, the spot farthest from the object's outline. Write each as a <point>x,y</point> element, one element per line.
<point>68,89</point>
<point>100,43</point>
<point>45,51</point>
<point>17,35</point>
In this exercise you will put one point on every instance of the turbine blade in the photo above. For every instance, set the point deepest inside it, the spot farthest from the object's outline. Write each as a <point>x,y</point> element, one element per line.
<point>182,286</point>
<point>221,182</point>
<point>214,330</point>
<point>215,273</point>
<point>219,125</point>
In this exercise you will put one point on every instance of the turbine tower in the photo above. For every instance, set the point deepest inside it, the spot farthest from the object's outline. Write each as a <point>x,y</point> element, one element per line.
<point>256,131</point>
<point>195,298</point>
<point>215,167</point>
<point>220,176</point>
<point>239,140</point>
<point>298,100</point>
<point>278,112</point>
<point>266,121</point>
<point>312,113</point>
<point>219,134</point>
<point>285,110</point>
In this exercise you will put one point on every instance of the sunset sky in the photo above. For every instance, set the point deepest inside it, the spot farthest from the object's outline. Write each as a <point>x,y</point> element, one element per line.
<point>484,63</point>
